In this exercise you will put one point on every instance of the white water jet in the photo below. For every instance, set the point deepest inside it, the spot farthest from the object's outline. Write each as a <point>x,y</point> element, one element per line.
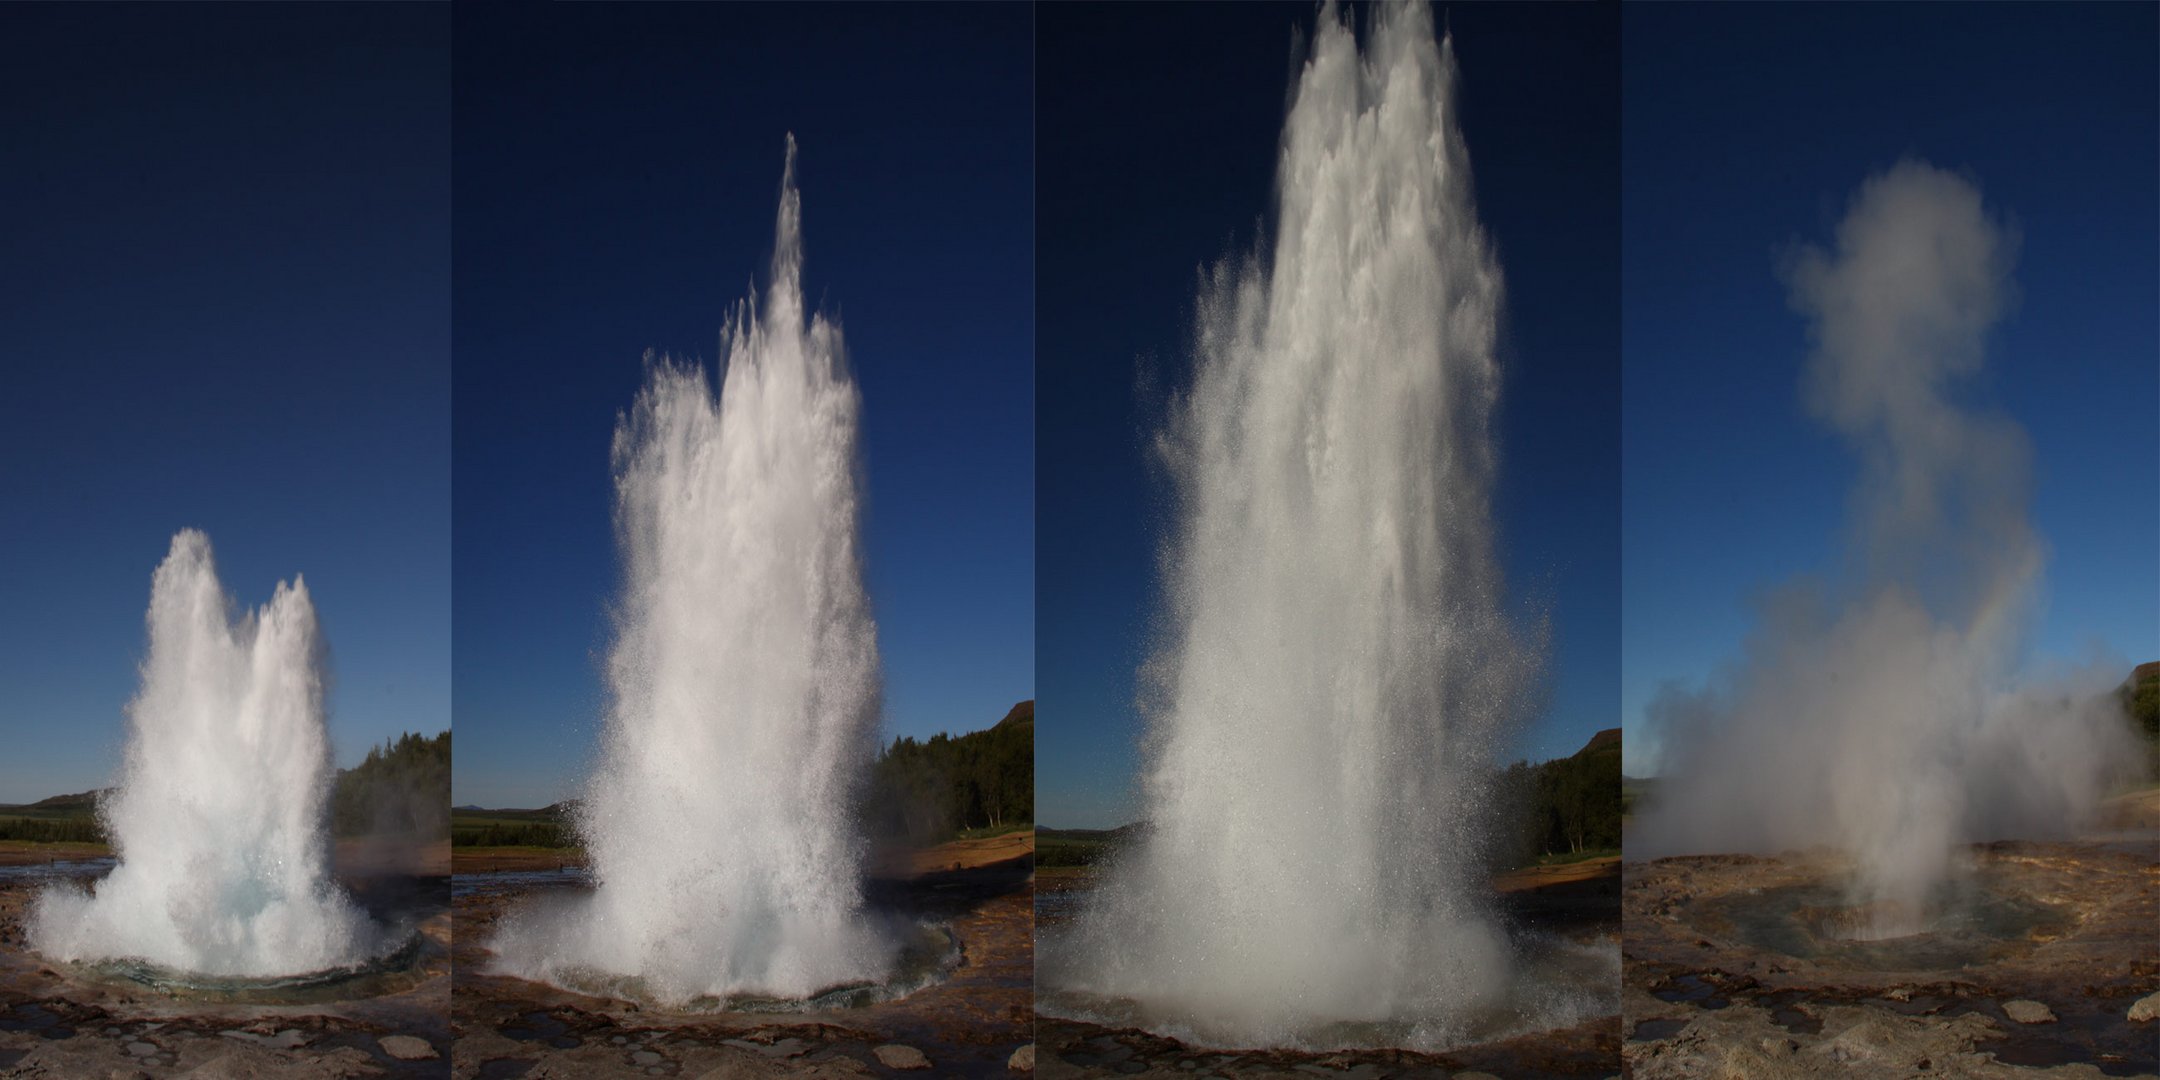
<point>219,820</point>
<point>1882,712</point>
<point>1335,673</point>
<point>743,681</point>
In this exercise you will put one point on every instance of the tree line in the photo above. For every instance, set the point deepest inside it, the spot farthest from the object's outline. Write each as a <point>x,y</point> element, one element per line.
<point>1568,805</point>
<point>923,792</point>
<point>402,788</point>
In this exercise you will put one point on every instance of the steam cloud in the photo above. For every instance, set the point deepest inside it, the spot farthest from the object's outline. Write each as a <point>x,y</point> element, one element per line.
<point>1878,713</point>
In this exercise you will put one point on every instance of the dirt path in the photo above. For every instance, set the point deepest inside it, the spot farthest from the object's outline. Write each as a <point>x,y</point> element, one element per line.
<point>1541,877</point>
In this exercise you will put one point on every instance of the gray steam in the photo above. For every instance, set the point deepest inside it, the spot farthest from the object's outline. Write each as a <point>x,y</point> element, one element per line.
<point>1878,712</point>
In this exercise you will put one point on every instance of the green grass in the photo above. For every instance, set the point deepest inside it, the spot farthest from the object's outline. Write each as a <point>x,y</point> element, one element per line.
<point>566,853</point>
<point>68,848</point>
<point>510,830</point>
<point>998,830</point>
<point>65,825</point>
<point>1565,857</point>
<point>1063,851</point>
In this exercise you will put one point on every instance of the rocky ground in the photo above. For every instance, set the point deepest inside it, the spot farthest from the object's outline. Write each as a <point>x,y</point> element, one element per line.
<point>56,1023</point>
<point>1705,998</point>
<point>1577,900</point>
<point>974,1023</point>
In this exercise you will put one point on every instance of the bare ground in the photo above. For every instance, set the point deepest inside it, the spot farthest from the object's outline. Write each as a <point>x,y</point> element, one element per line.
<point>968,1025</point>
<point>57,1022</point>
<point>1581,899</point>
<point>1702,999</point>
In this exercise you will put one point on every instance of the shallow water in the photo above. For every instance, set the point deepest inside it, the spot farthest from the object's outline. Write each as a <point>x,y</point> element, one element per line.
<point>1968,924</point>
<point>927,954</point>
<point>63,868</point>
<point>1556,982</point>
<point>395,971</point>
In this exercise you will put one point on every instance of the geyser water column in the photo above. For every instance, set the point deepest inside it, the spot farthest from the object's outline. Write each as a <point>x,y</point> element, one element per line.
<point>1335,669</point>
<point>219,820</point>
<point>743,680</point>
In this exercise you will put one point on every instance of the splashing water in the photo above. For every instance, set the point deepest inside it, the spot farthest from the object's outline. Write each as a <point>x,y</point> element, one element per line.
<point>1884,714</point>
<point>1336,670</point>
<point>219,818</point>
<point>744,682</point>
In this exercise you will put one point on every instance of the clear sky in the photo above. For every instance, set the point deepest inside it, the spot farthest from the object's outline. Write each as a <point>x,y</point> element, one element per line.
<point>1747,129</point>
<point>617,175</point>
<point>1161,162</point>
<point>224,303</point>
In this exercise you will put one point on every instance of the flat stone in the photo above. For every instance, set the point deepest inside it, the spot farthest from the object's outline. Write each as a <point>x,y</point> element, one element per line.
<point>1023,1059</point>
<point>2028,1012</point>
<point>2147,1008</point>
<point>896,1056</point>
<point>407,1048</point>
<point>141,1049</point>
<point>644,1057</point>
<point>287,1039</point>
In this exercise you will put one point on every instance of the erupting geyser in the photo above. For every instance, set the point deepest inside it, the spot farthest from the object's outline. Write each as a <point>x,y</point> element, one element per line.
<point>743,682</point>
<point>1884,714</point>
<point>1335,672</point>
<point>219,819</point>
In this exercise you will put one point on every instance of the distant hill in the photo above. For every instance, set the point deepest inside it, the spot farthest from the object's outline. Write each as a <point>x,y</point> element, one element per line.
<point>2140,697</point>
<point>59,819</point>
<point>1610,737</point>
<point>1120,833</point>
<point>84,801</point>
<point>1021,715</point>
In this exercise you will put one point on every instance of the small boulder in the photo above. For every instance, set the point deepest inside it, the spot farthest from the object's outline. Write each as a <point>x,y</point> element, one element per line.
<point>2147,1008</point>
<point>896,1056</point>
<point>407,1048</point>
<point>2028,1012</point>
<point>1023,1059</point>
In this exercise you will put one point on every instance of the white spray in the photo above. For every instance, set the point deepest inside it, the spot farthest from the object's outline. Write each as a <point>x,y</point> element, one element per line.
<point>1879,714</point>
<point>1335,670</point>
<point>744,679</point>
<point>219,819</point>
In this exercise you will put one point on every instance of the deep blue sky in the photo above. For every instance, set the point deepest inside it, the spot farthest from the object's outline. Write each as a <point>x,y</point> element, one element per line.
<point>1747,129</point>
<point>225,303</point>
<point>1158,128</point>
<point>617,174</point>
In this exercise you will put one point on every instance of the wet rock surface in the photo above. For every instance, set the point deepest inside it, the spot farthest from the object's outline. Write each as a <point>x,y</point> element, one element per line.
<point>967,1025</point>
<point>2051,997</point>
<point>59,1022</point>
